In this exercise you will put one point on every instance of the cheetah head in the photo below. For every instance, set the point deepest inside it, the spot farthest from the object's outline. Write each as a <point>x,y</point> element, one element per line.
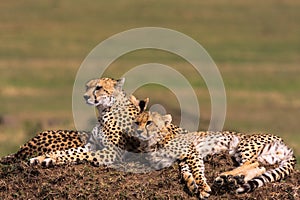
<point>101,91</point>
<point>151,127</point>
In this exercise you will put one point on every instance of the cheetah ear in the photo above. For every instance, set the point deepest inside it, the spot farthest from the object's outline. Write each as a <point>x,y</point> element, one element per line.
<point>92,83</point>
<point>120,83</point>
<point>143,104</point>
<point>134,100</point>
<point>168,119</point>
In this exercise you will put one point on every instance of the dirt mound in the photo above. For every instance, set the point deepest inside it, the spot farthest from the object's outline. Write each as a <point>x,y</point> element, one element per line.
<point>20,181</point>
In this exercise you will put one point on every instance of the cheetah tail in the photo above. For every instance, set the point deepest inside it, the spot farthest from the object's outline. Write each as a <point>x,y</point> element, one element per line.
<point>285,169</point>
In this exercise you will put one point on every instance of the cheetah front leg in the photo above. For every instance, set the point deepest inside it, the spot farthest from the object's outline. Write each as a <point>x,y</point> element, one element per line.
<point>187,177</point>
<point>192,171</point>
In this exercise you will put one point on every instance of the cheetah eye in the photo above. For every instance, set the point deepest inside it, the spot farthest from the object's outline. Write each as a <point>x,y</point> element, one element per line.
<point>137,123</point>
<point>148,123</point>
<point>98,87</point>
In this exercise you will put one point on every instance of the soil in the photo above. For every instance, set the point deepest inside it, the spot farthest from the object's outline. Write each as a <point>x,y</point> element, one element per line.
<point>20,181</point>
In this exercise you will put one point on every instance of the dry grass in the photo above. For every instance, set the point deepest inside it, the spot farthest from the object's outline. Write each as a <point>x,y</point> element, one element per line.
<point>86,182</point>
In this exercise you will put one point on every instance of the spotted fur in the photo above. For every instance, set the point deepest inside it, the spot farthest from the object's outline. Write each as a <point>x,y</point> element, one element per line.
<point>46,142</point>
<point>250,152</point>
<point>112,136</point>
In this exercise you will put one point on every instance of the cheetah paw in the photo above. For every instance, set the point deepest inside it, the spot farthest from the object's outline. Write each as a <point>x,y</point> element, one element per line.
<point>204,193</point>
<point>192,187</point>
<point>34,161</point>
<point>48,162</point>
<point>45,162</point>
<point>225,183</point>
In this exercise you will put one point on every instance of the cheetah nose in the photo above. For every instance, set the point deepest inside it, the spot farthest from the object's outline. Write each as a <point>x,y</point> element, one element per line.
<point>86,97</point>
<point>139,132</point>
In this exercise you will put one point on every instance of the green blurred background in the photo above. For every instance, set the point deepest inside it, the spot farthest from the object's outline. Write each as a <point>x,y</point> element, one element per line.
<point>255,44</point>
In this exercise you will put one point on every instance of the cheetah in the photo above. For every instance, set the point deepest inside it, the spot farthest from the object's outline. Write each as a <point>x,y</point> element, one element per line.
<point>50,141</point>
<point>112,136</point>
<point>249,151</point>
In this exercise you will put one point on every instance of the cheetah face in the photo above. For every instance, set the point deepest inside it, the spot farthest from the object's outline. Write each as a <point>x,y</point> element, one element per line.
<point>151,127</point>
<point>102,91</point>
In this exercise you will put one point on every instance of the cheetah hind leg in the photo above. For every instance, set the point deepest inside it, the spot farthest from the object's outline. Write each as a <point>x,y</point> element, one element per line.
<point>272,175</point>
<point>70,156</point>
<point>232,180</point>
<point>106,156</point>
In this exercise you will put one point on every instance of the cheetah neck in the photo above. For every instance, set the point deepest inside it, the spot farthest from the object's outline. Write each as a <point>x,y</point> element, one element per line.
<point>121,104</point>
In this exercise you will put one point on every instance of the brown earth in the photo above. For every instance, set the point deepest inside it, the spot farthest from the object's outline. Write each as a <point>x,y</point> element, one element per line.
<point>20,181</point>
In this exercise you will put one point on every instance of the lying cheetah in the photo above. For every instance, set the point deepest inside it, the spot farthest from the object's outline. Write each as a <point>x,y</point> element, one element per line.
<point>250,151</point>
<point>112,136</point>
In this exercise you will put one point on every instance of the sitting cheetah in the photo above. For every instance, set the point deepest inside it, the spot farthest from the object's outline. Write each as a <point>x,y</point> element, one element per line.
<point>190,149</point>
<point>51,141</point>
<point>112,136</point>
